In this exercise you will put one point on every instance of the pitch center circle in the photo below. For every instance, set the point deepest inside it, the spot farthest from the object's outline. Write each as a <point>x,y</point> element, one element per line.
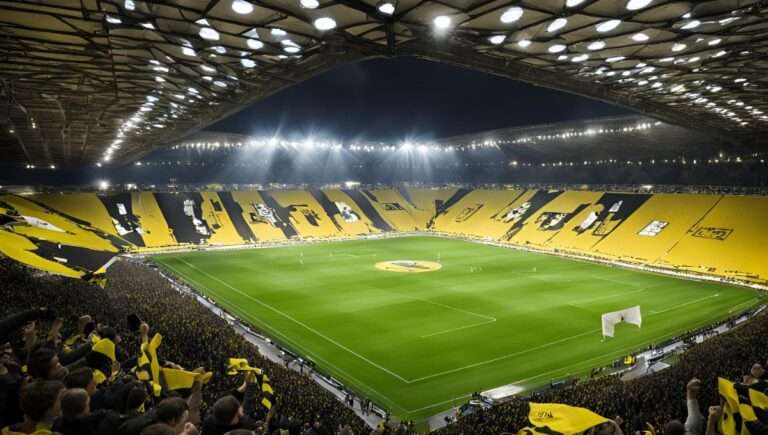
<point>408,266</point>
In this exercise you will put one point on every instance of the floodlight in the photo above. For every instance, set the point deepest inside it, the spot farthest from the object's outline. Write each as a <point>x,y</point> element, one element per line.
<point>634,5</point>
<point>325,23</point>
<point>209,33</point>
<point>607,26</point>
<point>556,25</point>
<point>597,45</point>
<point>386,7</point>
<point>242,7</point>
<point>442,22</point>
<point>511,15</point>
<point>255,44</point>
<point>497,39</point>
<point>557,48</point>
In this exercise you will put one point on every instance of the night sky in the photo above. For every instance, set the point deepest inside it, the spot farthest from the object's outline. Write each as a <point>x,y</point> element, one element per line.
<point>390,99</point>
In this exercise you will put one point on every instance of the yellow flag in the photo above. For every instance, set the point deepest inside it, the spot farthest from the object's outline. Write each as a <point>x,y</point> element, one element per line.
<point>745,409</point>
<point>563,418</point>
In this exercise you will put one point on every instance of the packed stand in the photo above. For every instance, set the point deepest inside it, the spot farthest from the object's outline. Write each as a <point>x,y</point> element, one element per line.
<point>72,364</point>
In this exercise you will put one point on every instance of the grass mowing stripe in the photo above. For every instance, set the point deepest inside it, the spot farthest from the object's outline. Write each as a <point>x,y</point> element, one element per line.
<point>361,384</point>
<point>298,322</point>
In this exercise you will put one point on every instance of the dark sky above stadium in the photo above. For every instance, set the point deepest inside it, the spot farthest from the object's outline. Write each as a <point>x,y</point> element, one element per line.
<point>391,99</point>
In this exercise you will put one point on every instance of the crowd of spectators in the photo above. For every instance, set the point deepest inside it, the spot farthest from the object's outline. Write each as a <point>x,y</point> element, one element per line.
<point>60,389</point>
<point>193,337</point>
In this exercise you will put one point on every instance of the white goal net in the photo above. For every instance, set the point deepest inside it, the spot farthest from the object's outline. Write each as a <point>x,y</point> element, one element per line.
<point>629,315</point>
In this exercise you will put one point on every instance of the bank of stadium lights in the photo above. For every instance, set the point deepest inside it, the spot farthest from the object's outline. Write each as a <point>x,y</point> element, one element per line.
<point>578,133</point>
<point>310,144</point>
<point>309,4</point>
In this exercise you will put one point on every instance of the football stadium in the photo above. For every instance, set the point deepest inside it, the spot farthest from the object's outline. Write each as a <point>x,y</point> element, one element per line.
<point>398,217</point>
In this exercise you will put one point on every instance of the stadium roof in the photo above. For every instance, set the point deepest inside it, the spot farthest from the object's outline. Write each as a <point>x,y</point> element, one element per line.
<point>110,80</point>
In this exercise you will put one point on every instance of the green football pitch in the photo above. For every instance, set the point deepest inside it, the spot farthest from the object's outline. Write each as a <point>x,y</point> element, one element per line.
<point>419,343</point>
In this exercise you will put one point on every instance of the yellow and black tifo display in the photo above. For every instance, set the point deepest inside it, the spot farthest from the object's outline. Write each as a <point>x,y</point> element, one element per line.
<point>78,234</point>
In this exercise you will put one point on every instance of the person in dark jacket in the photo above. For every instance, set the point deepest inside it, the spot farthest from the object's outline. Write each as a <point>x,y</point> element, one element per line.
<point>129,407</point>
<point>11,381</point>
<point>227,414</point>
<point>173,412</point>
<point>41,405</point>
<point>76,416</point>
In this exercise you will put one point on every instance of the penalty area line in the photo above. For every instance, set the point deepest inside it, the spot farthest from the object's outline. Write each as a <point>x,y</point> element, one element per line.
<point>503,357</point>
<point>684,304</point>
<point>474,325</point>
<point>543,346</point>
<point>738,306</point>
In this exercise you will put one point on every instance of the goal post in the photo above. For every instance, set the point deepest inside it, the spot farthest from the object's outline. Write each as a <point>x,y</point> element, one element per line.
<point>630,315</point>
